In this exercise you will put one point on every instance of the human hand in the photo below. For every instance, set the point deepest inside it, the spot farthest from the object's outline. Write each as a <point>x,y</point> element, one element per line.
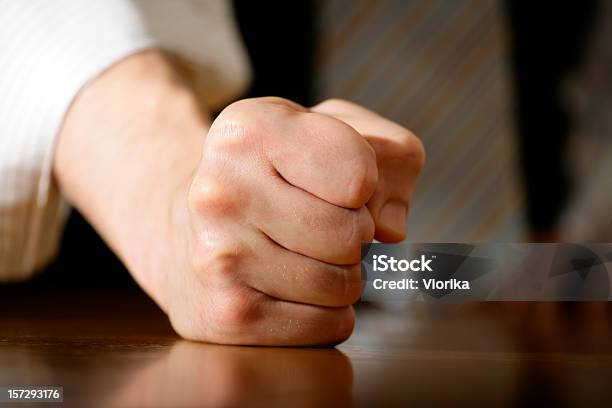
<point>247,231</point>
<point>282,201</point>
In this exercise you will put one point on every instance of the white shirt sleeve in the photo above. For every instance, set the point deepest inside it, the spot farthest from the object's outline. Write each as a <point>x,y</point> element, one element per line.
<point>48,51</point>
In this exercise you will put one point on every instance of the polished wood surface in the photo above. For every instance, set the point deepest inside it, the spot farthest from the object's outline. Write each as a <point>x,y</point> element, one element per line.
<point>115,348</point>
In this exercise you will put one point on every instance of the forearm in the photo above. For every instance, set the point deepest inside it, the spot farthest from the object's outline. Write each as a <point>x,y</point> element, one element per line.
<point>125,156</point>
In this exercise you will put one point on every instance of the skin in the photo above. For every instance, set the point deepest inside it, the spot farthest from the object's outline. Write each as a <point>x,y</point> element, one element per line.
<point>246,230</point>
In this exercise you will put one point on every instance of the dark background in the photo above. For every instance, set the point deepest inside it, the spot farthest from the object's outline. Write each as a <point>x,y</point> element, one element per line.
<point>547,43</point>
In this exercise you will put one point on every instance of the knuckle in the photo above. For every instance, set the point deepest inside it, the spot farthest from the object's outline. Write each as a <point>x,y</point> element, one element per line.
<point>234,312</point>
<point>231,133</point>
<point>221,264</point>
<point>366,224</point>
<point>235,128</point>
<point>356,229</point>
<point>209,197</point>
<point>352,284</point>
<point>239,108</point>
<point>245,123</point>
<point>230,307</point>
<point>364,178</point>
<point>284,105</point>
<point>353,233</point>
<point>339,285</point>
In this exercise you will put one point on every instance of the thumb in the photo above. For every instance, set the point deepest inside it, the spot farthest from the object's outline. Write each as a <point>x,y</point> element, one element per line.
<point>400,155</point>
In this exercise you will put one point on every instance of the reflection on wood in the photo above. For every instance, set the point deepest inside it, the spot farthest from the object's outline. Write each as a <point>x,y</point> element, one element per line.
<point>117,349</point>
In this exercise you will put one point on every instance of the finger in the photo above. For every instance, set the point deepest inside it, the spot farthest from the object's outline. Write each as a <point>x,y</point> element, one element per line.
<point>244,316</point>
<point>289,276</point>
<point>400,156</point>
<point>269,258</point>
<point>316,153</point>
<point>292,218</point>
<point>307,225</point>
<point>296,324</point>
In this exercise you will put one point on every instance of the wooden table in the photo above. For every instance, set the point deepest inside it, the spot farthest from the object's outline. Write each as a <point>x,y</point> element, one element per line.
<point>115,348</point>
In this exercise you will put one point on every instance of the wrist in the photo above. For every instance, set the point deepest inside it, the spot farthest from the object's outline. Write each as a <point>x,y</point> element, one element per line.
<point>125,156</point>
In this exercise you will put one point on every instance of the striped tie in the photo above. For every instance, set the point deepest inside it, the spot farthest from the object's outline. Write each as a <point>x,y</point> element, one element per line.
<point>440,69</point>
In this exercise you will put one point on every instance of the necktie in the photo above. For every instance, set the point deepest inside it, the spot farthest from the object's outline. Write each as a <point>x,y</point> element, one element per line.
<point>440,69</point>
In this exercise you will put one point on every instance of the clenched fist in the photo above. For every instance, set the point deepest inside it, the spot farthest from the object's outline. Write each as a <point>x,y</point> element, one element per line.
<point>280,205</point>
<point>251,234</point>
